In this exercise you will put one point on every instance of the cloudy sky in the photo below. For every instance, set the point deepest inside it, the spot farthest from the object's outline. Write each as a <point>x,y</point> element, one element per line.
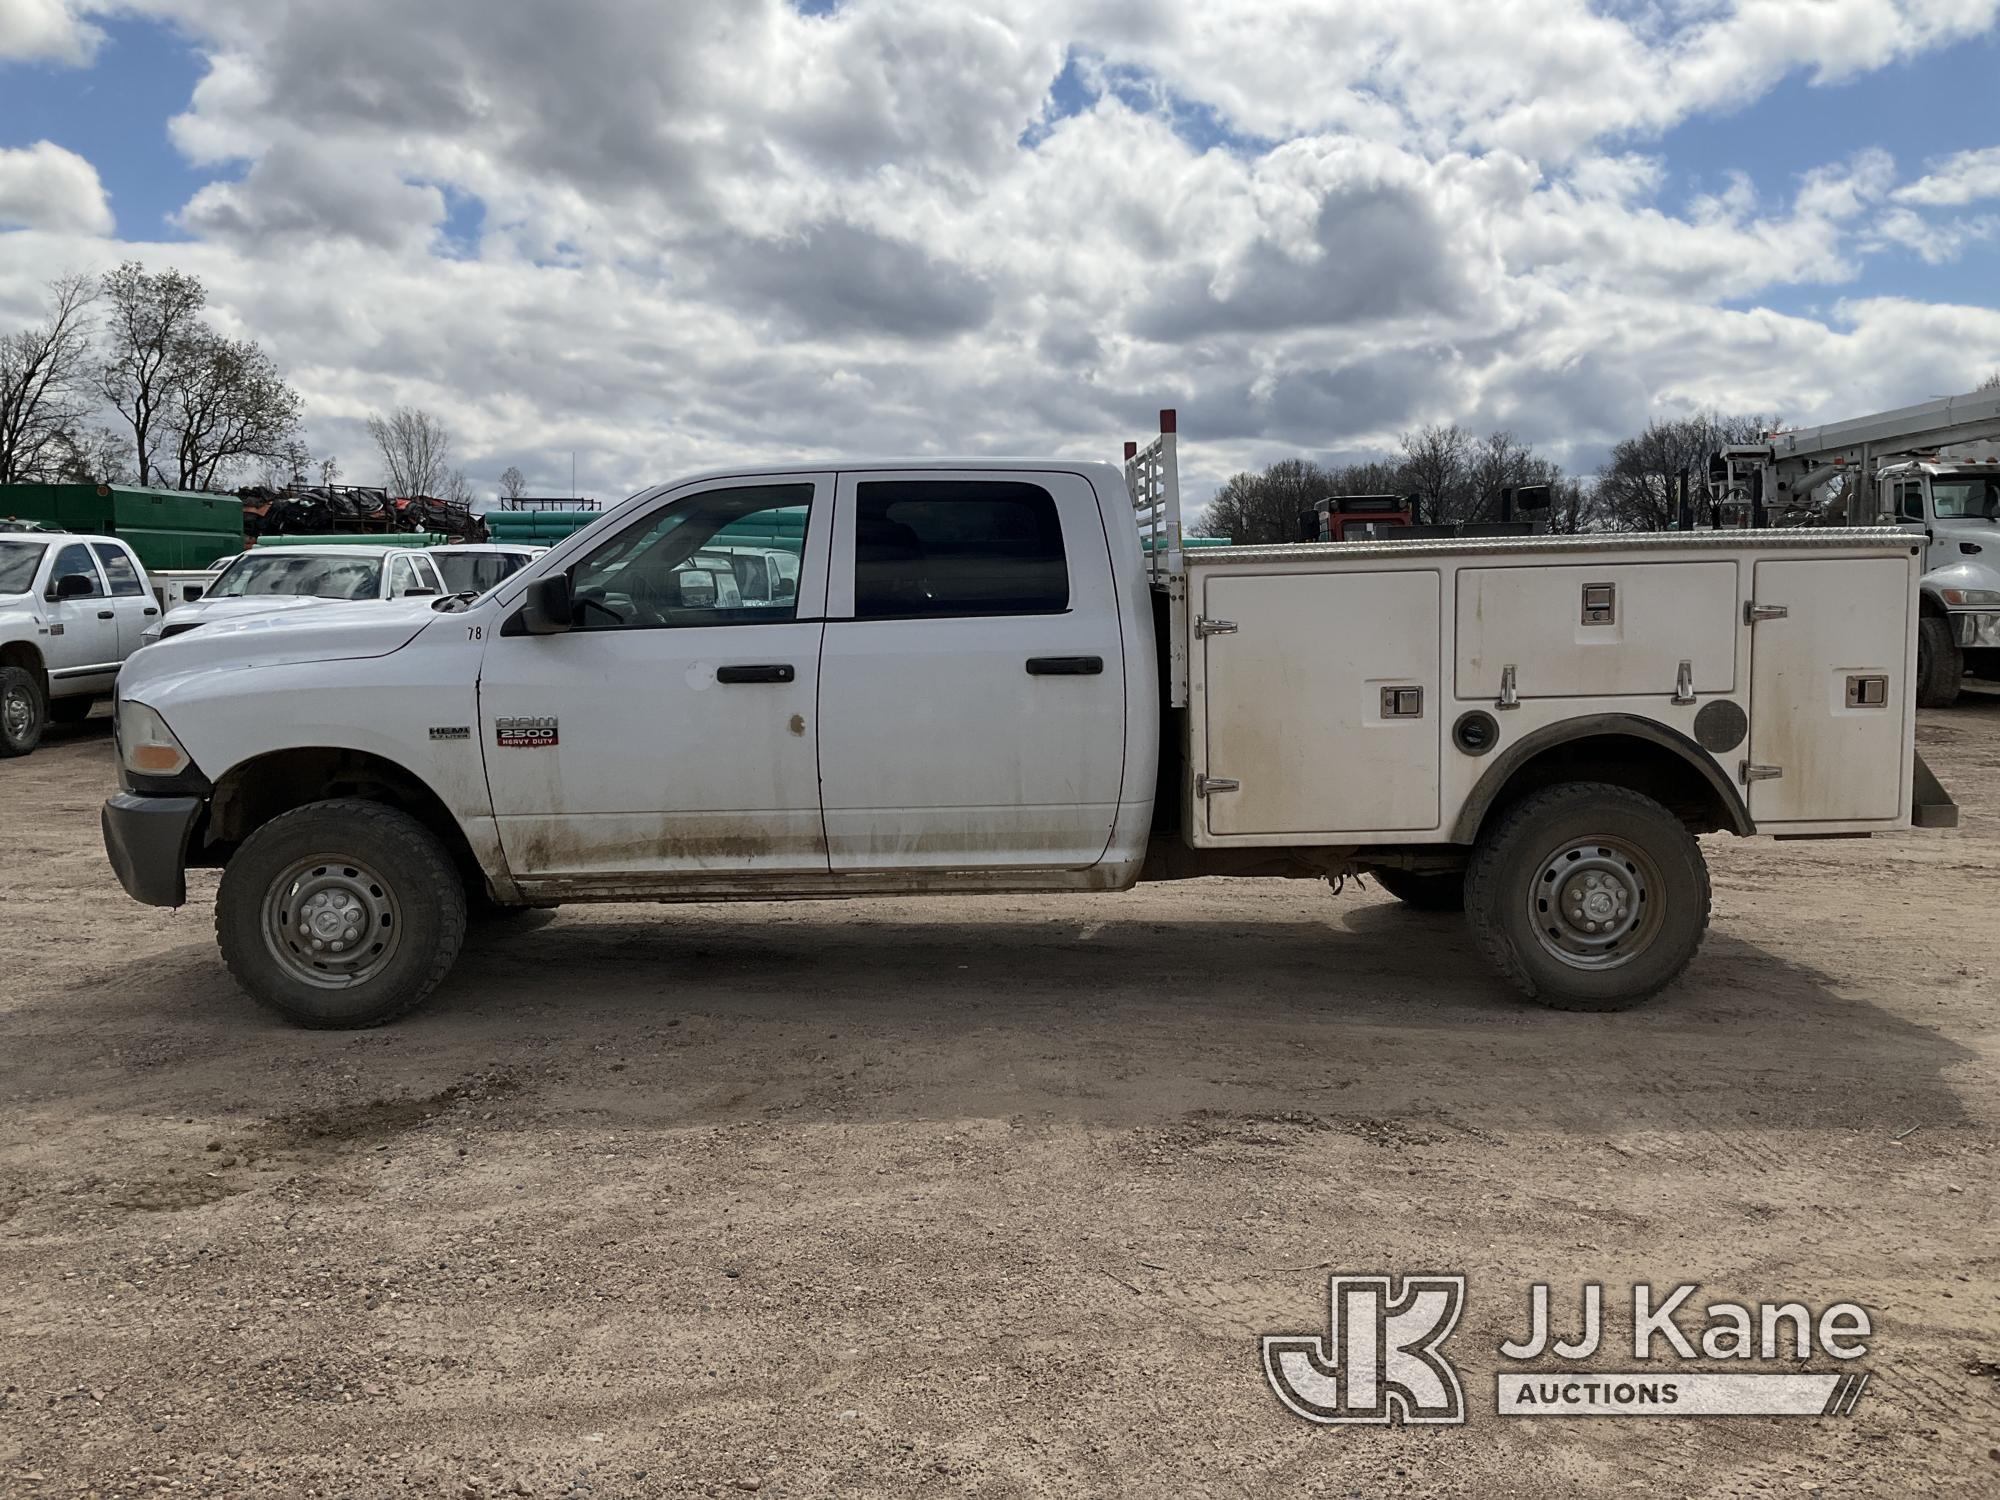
<point>674,234</point>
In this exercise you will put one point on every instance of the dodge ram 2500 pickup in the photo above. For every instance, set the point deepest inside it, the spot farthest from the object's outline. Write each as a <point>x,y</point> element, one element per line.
<point>988,678</point>
<point>72,608</point>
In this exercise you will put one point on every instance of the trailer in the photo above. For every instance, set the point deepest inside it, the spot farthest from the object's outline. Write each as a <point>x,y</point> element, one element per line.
<point>168,529</point>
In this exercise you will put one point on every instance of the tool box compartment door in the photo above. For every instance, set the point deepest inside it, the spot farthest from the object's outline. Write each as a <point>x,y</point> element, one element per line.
<point>1322,705</point>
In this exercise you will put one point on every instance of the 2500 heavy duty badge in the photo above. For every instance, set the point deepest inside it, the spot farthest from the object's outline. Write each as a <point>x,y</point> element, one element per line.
<point>527,732</point>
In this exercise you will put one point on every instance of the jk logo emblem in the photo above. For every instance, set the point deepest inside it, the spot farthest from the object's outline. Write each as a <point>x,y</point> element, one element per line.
<point>1379,1360</point>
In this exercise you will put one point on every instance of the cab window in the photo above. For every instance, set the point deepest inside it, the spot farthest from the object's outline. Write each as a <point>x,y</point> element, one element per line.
<point>699,560</point>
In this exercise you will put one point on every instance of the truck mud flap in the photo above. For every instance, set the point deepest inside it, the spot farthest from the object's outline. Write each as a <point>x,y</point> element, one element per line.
<point>1930,804</point>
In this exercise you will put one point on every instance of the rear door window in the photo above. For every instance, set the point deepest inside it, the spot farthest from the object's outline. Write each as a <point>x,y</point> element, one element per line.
<point>927,548</point>
<point>118,570</point>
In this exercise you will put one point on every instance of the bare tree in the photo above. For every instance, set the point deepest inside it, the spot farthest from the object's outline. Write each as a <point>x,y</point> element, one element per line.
<point>226,402</point>
<point>329,470</point>
<point>151,318</point>
<point>513,484</point>
<point>416,451</point>
<point>1636,488</point>
<point>1572,505</point>
<point>289,466</point>
<point>1437,470</point>
<point>1262,508</point>
<point>457,488</point>
<point>1991,382</point>
<point>92,454</point>
<point>44,375</point>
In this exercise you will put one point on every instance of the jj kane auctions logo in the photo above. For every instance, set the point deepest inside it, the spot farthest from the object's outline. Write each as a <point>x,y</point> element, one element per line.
<point>1381,1358</point>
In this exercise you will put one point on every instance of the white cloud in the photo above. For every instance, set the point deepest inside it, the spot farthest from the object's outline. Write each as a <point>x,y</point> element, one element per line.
<point>316,190</point>
<point>1934,243</point>
<point>44,186</point>
<point>45,31</point>
<point>724,229</point>
<point>1967,177</point>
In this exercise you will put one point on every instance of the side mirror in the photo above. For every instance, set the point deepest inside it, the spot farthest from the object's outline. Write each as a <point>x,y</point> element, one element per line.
<point>74,586</point>
<point>788,588</point>
<point>546,607</point>
<point>697,589</point>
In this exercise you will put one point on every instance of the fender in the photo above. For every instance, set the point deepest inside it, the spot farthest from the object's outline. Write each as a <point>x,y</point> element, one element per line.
<point>1597,726</point>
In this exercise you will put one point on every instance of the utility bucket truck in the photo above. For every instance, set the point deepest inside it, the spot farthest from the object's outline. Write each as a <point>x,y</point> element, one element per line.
<point>989,679</point>
<point>1893,470</point>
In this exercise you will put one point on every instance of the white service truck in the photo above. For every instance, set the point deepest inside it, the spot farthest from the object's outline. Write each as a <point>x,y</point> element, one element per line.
<point>989,679</point>
<point>1928,469</point>
<point>72,608</point>
<point>1954,505</point>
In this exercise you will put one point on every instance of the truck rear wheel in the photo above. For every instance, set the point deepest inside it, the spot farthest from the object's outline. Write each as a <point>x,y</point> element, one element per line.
<point>1940,664</point>
<point>1434,890</point>
<point>23,711</point>
<point>340,914</point>
<point>1588,896</point>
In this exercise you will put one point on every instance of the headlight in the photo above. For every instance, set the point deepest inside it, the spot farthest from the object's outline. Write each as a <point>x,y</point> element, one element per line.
<point>146,747</point>
<point>1972,598</point>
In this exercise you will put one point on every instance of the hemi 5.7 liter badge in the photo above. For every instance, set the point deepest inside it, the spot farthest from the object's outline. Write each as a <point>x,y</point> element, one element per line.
<point>526,733</point>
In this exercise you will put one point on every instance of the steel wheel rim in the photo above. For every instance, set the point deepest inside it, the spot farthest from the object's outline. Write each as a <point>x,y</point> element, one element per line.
<point>1596,903</point>
<point>17,712</point>
<point>332,922</point>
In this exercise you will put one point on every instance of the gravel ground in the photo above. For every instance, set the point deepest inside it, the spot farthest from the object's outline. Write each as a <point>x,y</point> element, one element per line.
<point>974,1197</point>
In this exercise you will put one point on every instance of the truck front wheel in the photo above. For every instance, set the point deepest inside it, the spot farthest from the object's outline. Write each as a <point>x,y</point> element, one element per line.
<point>23,711</point>
<point>1940,664</point>
<point>340,914</point>
<point>1588,896</point>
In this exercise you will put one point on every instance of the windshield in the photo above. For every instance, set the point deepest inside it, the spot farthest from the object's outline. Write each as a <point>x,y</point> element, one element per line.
<point>299,576</point>
<point>475,572</point>
<point>1966,497</point>
<point>18,561</point>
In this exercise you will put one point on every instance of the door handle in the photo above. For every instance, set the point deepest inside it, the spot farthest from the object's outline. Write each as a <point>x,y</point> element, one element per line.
<point>106,614</point>
<point>150,610</point>
<point>1065,666</point>
<point>777,672</point>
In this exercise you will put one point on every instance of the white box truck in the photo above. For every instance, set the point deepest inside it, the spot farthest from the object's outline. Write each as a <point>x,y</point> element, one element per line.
<point>990,679</point>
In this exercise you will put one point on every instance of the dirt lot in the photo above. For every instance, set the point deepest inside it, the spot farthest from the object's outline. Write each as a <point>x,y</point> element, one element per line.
<point>992,1198</point>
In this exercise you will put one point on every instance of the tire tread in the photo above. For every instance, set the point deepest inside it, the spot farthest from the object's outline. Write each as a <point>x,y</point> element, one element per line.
<point>439,875</point>
<point>1482,877</point>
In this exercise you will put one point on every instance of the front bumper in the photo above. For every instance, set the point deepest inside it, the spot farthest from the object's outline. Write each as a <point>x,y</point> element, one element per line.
<point>1975,627</point>
<point>147,841</point>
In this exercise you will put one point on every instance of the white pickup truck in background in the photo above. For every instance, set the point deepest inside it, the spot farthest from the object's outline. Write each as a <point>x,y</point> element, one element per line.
<point>72,608</point>
<point>988,679</point>
<point>270,580</point>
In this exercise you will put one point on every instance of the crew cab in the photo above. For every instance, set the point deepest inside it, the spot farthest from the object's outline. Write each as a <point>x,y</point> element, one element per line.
<point>1009,676</point>
<point>270,580</point>
<point>1955,508</point>
<point>72,608</point>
